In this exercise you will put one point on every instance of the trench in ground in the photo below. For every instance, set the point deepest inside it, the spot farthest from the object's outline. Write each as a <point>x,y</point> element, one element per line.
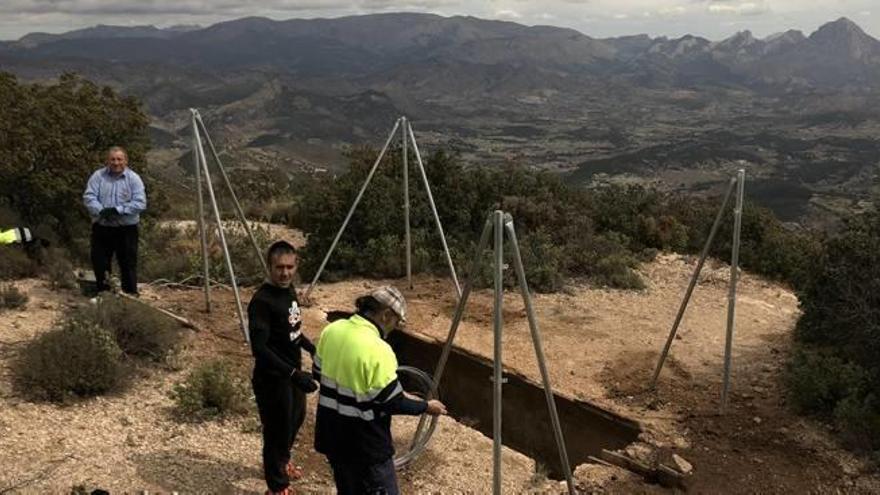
<point>466,389</point>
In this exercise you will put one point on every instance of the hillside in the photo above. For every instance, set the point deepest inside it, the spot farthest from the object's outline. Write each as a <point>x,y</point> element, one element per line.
<point>601,344</point>
<point>793,108</point>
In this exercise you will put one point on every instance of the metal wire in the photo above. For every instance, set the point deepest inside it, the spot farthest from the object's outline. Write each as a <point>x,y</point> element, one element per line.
<point>424,431</point>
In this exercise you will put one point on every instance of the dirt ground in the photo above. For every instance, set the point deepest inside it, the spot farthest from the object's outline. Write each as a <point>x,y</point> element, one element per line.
<point>602,346</point>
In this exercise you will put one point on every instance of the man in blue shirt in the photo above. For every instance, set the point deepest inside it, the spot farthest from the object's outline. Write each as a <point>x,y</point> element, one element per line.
<point>115,197</point>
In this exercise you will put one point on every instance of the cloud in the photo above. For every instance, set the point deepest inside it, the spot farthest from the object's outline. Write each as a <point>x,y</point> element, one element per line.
<point>206,7</point>
<point>737,7</point>
<point>508,14</point>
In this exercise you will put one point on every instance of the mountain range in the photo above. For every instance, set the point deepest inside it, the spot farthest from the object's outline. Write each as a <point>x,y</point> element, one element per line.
<point>296,92</point>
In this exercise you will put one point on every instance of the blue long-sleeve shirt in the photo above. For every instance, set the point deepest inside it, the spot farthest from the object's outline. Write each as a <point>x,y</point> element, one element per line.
<point>124,191</point>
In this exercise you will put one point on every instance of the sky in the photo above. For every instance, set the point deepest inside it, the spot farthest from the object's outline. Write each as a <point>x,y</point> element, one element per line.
<point>713,19</point>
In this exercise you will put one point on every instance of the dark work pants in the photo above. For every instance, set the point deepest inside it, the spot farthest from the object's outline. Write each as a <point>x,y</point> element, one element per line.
<point>365,479</point>
<point>119,241</point>
<point>282,409</point>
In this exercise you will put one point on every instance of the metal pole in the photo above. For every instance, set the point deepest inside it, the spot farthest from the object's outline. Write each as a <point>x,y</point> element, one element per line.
<point>734,275</point>
<point>238,307</point>
<point>353,206</point>
<point>539,353</point>
<point>201,211</point>
<point>693,283</point>
<point>456,320</point>
<point>238,210</point>
<point>434,210</point>
<point>406,203</point>
<point>497,377</point>
<point>459,309</point>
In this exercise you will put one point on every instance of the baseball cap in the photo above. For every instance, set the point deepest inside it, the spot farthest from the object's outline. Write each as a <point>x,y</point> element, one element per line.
<point>392,298</point>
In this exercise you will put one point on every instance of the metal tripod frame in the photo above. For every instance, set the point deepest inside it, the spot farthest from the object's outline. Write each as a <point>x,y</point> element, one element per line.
<point>498,223</point>
<point>739,183</point>
<point>406,135</point>
<point>201,166</point>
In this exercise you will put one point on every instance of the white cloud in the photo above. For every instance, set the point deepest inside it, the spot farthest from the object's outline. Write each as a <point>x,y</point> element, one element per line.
<point>739,8</point>
<point>508,14</point>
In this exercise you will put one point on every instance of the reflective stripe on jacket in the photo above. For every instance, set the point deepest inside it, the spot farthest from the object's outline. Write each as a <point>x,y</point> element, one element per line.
<point>22,235</point>
<point>358,375</point>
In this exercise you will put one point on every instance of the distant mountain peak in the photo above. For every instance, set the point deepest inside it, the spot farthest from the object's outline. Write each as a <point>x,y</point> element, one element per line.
<point>739,40</point>
<point>839,28</point>
<point>791,36</point>
<point>844,37</point>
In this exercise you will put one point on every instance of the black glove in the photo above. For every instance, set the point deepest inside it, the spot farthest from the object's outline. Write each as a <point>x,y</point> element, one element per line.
<point>108,213</point>
<point>303,381</point>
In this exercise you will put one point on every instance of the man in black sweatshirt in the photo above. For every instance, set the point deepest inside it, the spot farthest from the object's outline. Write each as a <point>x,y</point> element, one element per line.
<point>275,324</point>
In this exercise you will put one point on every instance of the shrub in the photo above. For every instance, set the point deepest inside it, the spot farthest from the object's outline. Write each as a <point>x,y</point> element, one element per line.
<point>11,297</point>
<point>209,391</point>
<point>841,316</point>
<point>52,136</point>
<point>818,381</point>
<point>174,253</point>
<point>15,264</point>
<point>77,359</point>
<point>138,330</point>
<point>859,421</point>
<point>166,252</point>
<point>616,271</point>
<point>59,269</point>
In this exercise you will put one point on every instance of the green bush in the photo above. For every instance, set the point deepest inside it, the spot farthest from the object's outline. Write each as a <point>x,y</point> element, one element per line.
<point>11,297</point>
<point>210,391</point>
<point>15,263</point>
<point>859,421</point>
<point>59,269</point>
<point>166,252</point>
<point>818,381</point>
<point>138,330</point>
<point>550,218</point>
<point>841,316</point>
<point>77,359</point>
<point>53,136</point>
<point>174,254</point>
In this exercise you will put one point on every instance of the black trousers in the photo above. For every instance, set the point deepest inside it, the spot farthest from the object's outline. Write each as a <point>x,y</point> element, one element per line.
<point>119,241</point>
<point>354,478</point>
<point>282,409</point>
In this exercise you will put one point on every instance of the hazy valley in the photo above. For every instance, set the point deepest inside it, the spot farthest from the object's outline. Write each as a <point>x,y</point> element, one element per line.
<point>798,111</point>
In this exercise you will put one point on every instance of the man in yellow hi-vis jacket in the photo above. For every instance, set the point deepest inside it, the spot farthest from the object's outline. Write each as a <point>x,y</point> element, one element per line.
<point>360,392</point>
<point>20,235</point>
<point>17,235</point>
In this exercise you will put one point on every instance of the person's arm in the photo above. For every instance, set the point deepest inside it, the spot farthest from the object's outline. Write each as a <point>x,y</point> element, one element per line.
<point>307,344</point>
<point>393,400</point>
<point>138,202</point>
<point>90,196</point>
<point>259,328</point>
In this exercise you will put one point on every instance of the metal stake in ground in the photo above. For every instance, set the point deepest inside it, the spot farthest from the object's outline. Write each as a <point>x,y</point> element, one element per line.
<point>353,207</point>
<point>406,202</point>
<point>693,283</point>
<point>734,275</point>
<point>456,321</point>
<point>497,377</point>
<point>539,353</point>
<point>238,210</point>
<point>201,211</point>
<point>434,210</point>
<point>238,307</point>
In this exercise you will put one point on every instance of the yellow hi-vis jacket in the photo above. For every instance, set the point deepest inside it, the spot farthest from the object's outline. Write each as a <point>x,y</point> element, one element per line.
<point>11,236</point>
<point>358,375</point>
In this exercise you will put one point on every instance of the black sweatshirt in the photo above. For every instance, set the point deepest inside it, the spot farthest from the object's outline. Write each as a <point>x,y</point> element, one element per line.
<point>274,322</point>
